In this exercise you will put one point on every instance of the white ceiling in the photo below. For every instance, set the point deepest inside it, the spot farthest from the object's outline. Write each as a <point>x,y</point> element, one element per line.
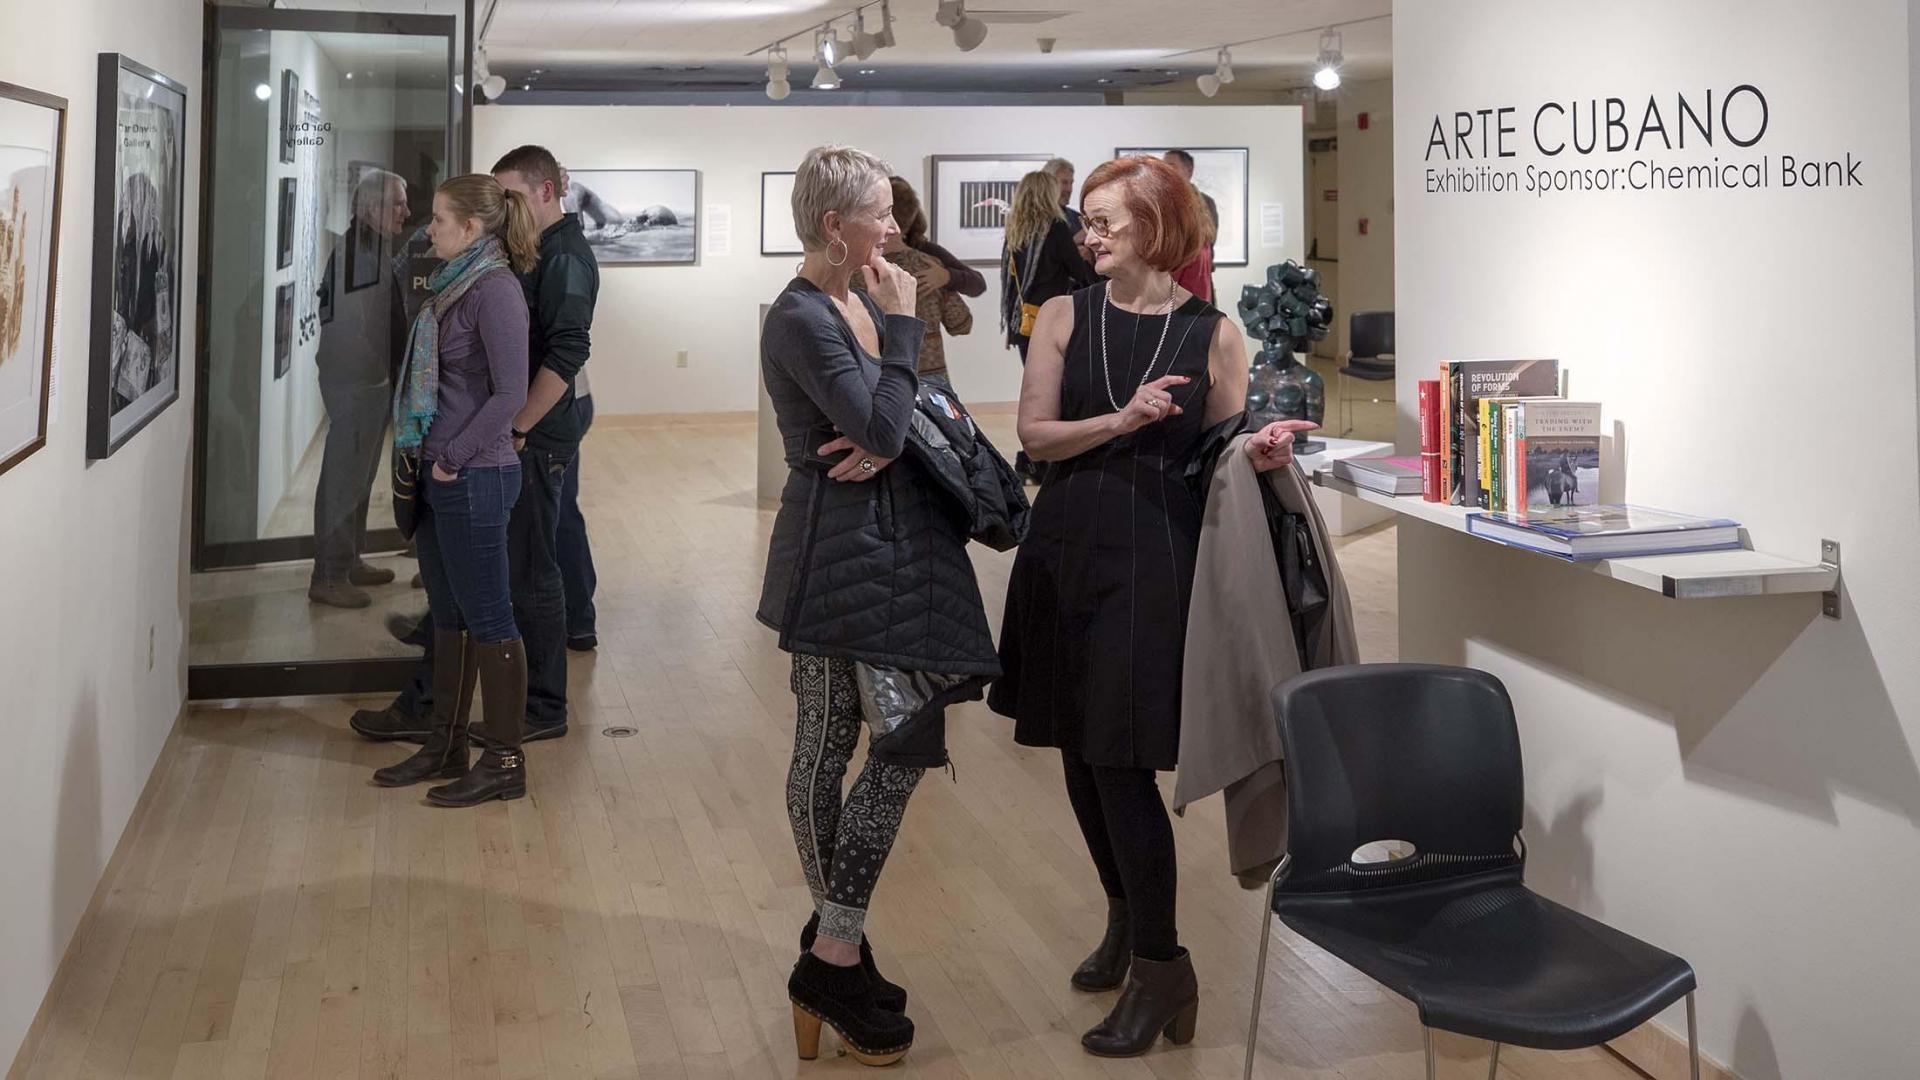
<point>631,44</point>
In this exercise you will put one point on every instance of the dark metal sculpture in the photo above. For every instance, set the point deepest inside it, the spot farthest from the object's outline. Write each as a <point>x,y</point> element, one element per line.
<point>1287,314</point>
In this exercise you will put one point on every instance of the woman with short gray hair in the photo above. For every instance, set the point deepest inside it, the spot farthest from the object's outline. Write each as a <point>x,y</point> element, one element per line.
<point>866,573</point>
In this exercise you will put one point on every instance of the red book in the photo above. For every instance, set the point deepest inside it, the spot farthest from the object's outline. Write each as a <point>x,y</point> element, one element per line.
<point>1430,439</point>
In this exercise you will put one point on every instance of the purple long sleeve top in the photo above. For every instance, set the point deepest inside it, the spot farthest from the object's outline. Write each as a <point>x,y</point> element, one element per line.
<point>483,375</point>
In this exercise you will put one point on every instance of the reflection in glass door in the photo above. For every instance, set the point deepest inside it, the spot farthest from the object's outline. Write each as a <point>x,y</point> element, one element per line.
<point>327,134</point>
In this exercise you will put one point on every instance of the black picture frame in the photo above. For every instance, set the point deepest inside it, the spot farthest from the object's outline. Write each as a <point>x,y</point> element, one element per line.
<point>283,240</point>
<point>1245,193</point>
<point>58,106</point>
<point>327,282</point>
<point>282,330</point>
<point>113,418</point>
<point>775,212</point>
<point>289,114</point>
<point>363,243</point>
<point>968,248</point>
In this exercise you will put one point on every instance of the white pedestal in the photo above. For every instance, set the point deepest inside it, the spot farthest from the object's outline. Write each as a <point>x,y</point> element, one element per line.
<point>1344,513</point>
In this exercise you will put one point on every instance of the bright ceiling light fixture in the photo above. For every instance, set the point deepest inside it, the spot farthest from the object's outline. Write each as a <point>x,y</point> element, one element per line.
<point>778,87</point>
<point>1209,84</point>
<point>968,32</point>
<point>826,78</point>
<point>1326,73</point>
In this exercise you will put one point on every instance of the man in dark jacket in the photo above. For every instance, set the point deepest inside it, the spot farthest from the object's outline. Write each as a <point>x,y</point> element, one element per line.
<point>561,291</point>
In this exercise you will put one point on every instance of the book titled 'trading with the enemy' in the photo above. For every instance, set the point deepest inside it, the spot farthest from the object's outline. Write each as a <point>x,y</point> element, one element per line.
<point>1554,455</point>
<point>1468,381</point>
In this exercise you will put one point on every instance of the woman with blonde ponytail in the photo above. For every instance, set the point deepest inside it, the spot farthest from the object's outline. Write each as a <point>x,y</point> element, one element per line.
<point>464,380</point>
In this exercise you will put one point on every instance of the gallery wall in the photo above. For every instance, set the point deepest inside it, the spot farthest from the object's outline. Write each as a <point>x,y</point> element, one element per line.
<point>647,315</point>
<point>1733,779</point>
<point>91,554</point>
<point>1366,195</point>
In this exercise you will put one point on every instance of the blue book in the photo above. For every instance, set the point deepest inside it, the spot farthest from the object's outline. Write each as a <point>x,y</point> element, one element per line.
<point>1583,533</point>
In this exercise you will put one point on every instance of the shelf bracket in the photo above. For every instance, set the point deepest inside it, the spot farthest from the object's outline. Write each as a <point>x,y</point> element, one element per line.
<point>1830,559</point>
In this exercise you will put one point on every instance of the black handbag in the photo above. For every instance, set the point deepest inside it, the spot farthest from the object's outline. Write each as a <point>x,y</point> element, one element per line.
<point>406,491</point>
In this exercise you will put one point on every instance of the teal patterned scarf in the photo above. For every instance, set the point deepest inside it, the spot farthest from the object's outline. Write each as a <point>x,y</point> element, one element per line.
<point>419,387</point>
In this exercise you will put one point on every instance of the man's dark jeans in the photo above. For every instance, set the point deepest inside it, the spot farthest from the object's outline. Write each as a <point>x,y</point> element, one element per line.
<point>539,597</point>
<point>576,556</point>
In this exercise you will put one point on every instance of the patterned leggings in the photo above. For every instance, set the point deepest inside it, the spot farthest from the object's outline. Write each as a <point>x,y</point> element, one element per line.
<point>842,847</point>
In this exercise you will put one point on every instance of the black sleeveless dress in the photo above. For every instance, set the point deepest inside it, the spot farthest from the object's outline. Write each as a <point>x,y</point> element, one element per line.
<point>1096,616</point>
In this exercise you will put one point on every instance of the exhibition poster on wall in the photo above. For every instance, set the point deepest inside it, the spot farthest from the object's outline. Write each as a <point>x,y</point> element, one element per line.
<point>32,133</point>
<point>777,235</point>
<point>637,217</point>
<point>1221,173</point>
<point>970,198</point>
<point>139,207</point>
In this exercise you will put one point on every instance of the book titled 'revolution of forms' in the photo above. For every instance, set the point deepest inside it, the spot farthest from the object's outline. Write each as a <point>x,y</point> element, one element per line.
<point>1580,533</point>
<point>1463,384</point>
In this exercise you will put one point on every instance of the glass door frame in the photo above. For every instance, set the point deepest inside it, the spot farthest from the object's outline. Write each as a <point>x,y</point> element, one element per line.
<point>292,678</point>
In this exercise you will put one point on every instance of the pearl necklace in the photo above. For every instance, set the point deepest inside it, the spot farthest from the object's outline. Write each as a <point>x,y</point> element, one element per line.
<point>1106,381</point>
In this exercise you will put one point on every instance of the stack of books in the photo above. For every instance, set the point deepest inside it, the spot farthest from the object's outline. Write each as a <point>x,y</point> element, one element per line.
<point>1497,435</point>
<point>1582,533</point>
<point>1386,475</point>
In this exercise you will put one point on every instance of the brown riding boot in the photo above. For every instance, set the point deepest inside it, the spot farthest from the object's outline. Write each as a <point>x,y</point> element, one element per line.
<point>444,754</point>
<point>501,772</point>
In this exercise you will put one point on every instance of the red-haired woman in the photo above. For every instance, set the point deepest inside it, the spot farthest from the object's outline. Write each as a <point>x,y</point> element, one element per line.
<point>1122,381</point>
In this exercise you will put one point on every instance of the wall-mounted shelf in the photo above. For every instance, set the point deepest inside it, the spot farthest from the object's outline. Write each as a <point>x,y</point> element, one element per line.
<point>1685,577</point>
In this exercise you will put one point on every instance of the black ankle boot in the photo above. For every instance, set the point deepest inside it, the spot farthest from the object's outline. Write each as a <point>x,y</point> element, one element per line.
<point>887,995</point>
<point>842,998</point>
<point>1162,996</point>
<point>501,772</point>
<point>1106,966</point>
<point>443,753</point>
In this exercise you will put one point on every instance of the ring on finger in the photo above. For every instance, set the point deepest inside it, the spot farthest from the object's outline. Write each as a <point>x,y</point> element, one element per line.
<point>866,465</point>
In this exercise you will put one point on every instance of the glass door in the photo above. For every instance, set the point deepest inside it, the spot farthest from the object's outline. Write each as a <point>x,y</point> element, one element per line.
<point>326,136</point>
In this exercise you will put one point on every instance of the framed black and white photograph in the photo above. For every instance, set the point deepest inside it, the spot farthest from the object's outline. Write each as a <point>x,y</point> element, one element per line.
<point>139,209</point>
<point>1221,174</point>
<point>970,196</point>
<point>289,115</point>
<point>282,331</point>
<point>327,282</point>
<point>283,239</point>
<point>638,217</point>
<point>777,235</point>
<point>364,248</point>
<point>33,131</point>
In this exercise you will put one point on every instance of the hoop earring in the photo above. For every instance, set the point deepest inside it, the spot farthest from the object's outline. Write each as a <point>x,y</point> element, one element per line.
<point>844,252</point>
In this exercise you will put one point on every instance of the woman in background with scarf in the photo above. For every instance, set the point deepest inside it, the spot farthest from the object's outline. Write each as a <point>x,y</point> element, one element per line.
<point>464,381</point>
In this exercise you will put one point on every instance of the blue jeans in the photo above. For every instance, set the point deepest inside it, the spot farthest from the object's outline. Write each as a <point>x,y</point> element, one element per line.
<point>462,540</point>
<point>576,555</point>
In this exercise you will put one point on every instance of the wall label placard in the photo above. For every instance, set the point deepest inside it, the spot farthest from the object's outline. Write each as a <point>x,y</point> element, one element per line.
<point>1683,141</point>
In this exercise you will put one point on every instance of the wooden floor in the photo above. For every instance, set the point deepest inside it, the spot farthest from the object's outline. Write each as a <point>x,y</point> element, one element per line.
<point>271,914</point>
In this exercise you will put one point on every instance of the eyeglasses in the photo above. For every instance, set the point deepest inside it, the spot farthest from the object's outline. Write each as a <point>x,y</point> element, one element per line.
<point>1104,228</point>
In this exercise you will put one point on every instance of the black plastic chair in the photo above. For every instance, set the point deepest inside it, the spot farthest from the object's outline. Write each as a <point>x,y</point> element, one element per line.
<point>1431,756</point>
<point>1369,355</point>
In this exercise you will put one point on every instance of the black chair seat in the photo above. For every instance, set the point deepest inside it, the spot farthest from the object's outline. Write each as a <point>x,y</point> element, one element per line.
<point>1487,957</point>
<point>1371,370</point>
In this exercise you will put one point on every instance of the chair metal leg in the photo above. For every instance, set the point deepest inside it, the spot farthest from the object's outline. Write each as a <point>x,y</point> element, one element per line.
<point>1494,1067</point>
<point>1433,1067</point>
<point>1260,968</point>
<point>1693,1038</point>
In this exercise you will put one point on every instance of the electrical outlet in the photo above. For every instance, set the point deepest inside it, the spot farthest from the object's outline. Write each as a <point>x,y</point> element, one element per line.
<point>680,358</point>
<point>149,648</point>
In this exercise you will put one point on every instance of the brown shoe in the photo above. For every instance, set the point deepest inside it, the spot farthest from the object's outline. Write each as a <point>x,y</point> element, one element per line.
<point>366,575</point>
<point>338,594</point>
<point>444,754</point>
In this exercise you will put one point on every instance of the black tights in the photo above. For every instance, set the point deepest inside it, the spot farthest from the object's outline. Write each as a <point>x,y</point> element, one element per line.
<point>1131,841</point>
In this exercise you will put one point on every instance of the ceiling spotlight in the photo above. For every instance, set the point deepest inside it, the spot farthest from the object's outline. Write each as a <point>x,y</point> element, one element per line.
<point>349,76</point>
<point>262,91</point>
<point>968,32</point>
<point>1209,84</point>
<point>777,70</point>
<point>884,39</point>
<point>826,78</point>
<point>1326,73</point>
<point>493,86</point>
<point>829,46</point>
<point>864,43</point>
<point>1223,67</point>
